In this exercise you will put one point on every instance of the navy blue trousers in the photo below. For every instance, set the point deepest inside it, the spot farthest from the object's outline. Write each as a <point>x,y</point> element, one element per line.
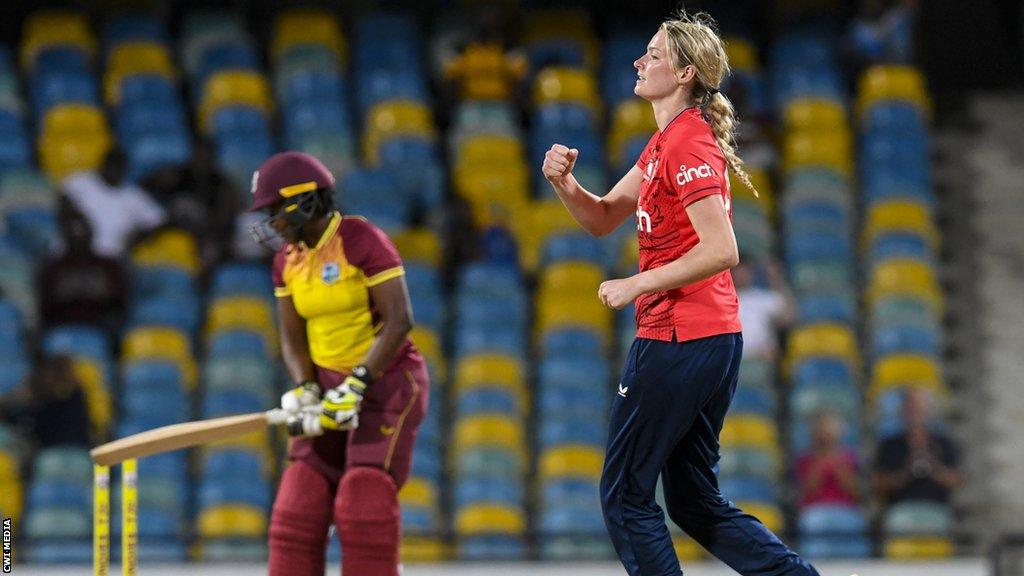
<point>665,420</point>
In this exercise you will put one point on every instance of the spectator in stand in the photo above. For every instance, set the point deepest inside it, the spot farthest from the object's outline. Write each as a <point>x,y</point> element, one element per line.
<point>115,209</point>
<point>80,286</point>
<point>827,473</point>
<point>883,31</point>
<point>763,310</point>
<point>49,408</point>
<point>919,463</point>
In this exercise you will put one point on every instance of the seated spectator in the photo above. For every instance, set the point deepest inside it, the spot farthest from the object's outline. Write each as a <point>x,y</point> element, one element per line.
<point>827,474</point>
<point>115,209</point>
<point>80,286</point>
<point>763,310</point>
<point>919,463</point>
<point>50,406</point>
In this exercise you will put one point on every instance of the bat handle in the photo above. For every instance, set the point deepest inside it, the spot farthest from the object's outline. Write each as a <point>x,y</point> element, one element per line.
<point>276,416</point>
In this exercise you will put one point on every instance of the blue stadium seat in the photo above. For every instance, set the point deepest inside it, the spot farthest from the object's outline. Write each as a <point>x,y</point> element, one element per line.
<point>555,430</point>
<point>151,89</point>
<point>473,310</point>
<point>814,308</point>
<point>59,551</point>
<point>480,338</point>
<point>558,519</point>
<point>130,27</point>
<point>900,245</point>
<point>592,374</point>
<point>571,342</point>
<point>555,52</point>
<point>148,281</point>
<point>44,493</point>
<point>152,152</point>
<point>229,402</point>
<point>564,116</point>
<point>314,85</point>
<point>905,339</point>
<point>491,548</point>
<point>752,400</point>
<point>61,58</point>
<point>35,228</point>
<point>235,119</point>
<point>572,493</point>
<point>234,463</point>
<point>573,403</point>
<point>426,461</point>
<point>136,119</point>
<point>216,489</point>
<point>894,117</point>
<point>11,326</point>
<point>418,520</point>
<point>486,400</point>
<point>180,312</point>
<point>748,489</point>
<point>496,490</point>
<point>78,340</point>
<point>63,87</point>
<point>241,278</point>
<point>822,370</point>
<point>574,246</point>
<point>230,54</point>
<point>238,343</point>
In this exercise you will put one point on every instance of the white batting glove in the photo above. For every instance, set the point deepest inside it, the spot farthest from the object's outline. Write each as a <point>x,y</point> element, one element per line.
<point>305,394</point>
<point>306,422</point>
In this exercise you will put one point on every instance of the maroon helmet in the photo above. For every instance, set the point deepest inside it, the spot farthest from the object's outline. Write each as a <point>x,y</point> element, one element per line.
<point>287,175</point>
<point>303,188</point>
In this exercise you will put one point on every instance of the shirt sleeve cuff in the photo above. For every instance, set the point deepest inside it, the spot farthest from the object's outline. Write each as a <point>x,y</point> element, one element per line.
<point>693,196</point>
<point>386,275</point>
<point>282,291</point>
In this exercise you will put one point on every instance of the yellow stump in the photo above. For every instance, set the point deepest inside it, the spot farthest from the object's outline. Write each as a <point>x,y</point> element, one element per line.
<point>129,517</point>
<point>101,520</point>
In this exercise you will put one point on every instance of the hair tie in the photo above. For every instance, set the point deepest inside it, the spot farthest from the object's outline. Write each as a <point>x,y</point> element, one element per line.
<point>712,91</point>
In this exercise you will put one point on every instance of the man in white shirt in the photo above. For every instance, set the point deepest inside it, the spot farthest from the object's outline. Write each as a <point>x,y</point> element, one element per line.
<point>116,210</point>
<point>762,310</point>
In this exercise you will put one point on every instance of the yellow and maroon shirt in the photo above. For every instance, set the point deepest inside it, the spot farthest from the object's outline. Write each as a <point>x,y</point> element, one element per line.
<point>330,283</point>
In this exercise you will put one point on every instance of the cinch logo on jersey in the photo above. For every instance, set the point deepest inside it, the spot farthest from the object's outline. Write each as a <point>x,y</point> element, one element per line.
<point>643,220</point>
<point>687,175</point>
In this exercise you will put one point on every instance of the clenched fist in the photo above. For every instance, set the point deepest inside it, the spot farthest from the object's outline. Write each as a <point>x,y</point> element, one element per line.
<point>558,163</point>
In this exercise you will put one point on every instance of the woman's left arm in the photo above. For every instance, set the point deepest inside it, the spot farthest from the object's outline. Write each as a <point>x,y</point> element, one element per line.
<point>716,251</point>
<point>391,299</point>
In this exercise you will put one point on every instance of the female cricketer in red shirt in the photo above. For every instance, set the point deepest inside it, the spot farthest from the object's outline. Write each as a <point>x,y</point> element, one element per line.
<point>682,369</point>
<point>344,313</point>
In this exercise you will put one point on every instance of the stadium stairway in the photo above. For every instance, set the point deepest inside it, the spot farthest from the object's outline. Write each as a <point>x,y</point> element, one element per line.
<point>984,265</point>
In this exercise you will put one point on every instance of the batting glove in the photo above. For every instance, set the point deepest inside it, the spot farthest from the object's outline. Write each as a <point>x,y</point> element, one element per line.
<point>307,393</point>
<point>340,407</point>
<point>306,422</point>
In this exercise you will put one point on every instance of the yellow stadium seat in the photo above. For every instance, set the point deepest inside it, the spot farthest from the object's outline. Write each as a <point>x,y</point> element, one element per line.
<point>479,369</point>
<point>8,467</point>
<point>686,549</point>
<point>534,224</point>
<point>231,88</point>
<point>173,248</point>
<point>816,114</point>
<point>160,343</point>
<point>308,26</point>
<point>47,28</point>
<point>899,216</point>
<point>818,149</point>
<point>485,71</point>
<point>918,548</point>
<point>632,118</point>
<point>904,277</point>
<point>395,118</point>
<point>825,339</point>
<point>495,192</point>
<point>12,498</point>
<point>418,492</point>
<point>892,82</point>
<point>135,58</point>
<point>489,149</point>
<point>571,461</point>
<point>420,245</point>
<point>69,120</point>
<point>233,520</point>
<point>485,519</point>
<point>61,157</point>
<point>429,344</point>
<point>242,313</point>
<point>762,181</point>
<point>490,430</point>
<point>562,84</point>
<point>749,431</point>
<point>563,24</point>
<point>570,277</point>
<point>423,549</point>
<point>583,311</point>
<point>97,395</point>
<point>768,514</point>
<point>906,370</point>
<point>742,54</point>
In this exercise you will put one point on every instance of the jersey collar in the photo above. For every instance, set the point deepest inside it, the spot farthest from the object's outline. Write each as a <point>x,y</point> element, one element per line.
<point>332,227</point>
<point>674,120</point>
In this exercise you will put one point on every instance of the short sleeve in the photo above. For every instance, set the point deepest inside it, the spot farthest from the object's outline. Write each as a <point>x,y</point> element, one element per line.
<point>692,170</point>
<point>281,290</point>
<point>370,249</point>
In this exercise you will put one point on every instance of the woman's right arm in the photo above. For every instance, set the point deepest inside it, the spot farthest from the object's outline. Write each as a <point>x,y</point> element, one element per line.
<point>294,346</point>
<point>596,214</point>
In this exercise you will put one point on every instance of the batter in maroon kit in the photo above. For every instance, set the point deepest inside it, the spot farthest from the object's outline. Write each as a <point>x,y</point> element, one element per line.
<point>361,387</point>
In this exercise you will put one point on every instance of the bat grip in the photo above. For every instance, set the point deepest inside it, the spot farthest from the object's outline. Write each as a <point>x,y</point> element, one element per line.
<point>276,416</point>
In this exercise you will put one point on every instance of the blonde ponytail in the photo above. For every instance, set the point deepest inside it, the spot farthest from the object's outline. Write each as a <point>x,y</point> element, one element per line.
<point>693,39</point>
<point>722,117</point>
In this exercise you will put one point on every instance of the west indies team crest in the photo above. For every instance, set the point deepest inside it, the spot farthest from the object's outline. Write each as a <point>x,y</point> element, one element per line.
<point>330,273</point>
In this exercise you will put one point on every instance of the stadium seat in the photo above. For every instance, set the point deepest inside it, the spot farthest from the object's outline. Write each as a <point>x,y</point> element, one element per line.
<point>892,82</point>
<point>562,84</point>
<point>905,278</point>
<point>749,431</point>
<point>823,340</point>
<point>918,548</point>
<point>489,431</point>
<point>233,88</point>
<point>489,519</point>
<point>170,248</point>
<point>815,115</point>
<point>572,461</point>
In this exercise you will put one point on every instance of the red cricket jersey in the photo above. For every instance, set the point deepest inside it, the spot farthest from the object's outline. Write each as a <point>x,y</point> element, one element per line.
<point>681,165</point>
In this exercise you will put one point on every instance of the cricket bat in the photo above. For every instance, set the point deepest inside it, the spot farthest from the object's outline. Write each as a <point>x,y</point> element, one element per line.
<point>184,435</point>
